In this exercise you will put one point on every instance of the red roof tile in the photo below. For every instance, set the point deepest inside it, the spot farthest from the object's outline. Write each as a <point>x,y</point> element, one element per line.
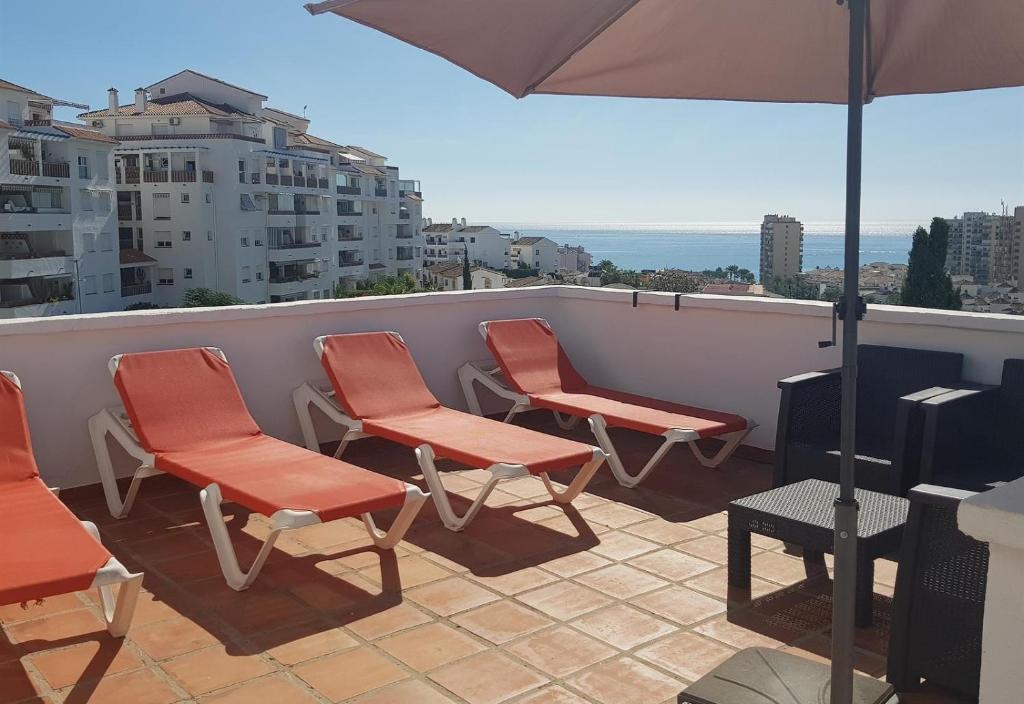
<point>178,104</point>
<point>83,133</point>
<point>134,256</point>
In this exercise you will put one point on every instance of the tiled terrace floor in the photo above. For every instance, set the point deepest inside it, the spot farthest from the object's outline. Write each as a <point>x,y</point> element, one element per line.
<point>620,600</point>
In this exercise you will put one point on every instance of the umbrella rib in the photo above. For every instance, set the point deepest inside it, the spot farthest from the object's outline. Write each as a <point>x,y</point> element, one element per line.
<point>582,45</point>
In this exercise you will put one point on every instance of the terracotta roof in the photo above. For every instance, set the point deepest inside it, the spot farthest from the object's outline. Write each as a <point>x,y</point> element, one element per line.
<point>453,270</point>
<point>370,170</point>
<point>7,85</point>
<point>365,151</point>
<point>305,138</point>
<point>134,256</point>
<point>476,228</point>
<point>178,104</point>
<point>528,240</point>
<point>210,78</point>
<point>439,227</point>
<point>413,196</point>
<point>526,281</point>
<point>83,133</point>
<point>734,289</point>
<point>5,126</point>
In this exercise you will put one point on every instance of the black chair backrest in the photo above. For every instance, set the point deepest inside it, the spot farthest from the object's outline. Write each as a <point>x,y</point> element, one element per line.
<point>1010,412</point>
<point>884,375</point>
<point>939,603</point>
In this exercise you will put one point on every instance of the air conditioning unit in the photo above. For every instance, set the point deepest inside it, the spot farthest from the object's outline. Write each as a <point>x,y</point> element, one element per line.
<point>175,121</point>
<point>97,123</point>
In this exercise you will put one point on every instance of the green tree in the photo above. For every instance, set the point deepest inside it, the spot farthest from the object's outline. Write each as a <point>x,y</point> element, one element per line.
<point>467,272</point>
<point>927,284</point>
<point>205,297</point>
<point>676,282</point>
<point>793,287</point>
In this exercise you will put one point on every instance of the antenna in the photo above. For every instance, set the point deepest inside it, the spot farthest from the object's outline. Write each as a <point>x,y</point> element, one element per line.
<point>304,110</point>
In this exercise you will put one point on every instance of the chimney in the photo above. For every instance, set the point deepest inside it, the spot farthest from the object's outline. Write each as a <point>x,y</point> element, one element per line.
<point>111,101</point>
<point>140,99</point>
<point>463,222</point>
<point>455,222</point>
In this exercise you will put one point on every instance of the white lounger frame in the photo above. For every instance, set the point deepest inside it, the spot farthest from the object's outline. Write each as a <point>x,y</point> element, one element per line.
<point>488,374</point>
<point>114,422</point>
<point>117,607</point>
<point>322,396</point>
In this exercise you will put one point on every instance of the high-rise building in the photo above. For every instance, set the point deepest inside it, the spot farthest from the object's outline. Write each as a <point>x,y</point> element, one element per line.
<point>57,245</point>
<point>218,190</point>
<point>782,247</point>
<point>1018,244</point>
<point>985,246</point>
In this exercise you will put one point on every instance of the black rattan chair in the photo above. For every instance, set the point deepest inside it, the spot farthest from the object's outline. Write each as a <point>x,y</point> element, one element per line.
<point>891,383</point>
<point>939,601</point>
<point>973,439</point>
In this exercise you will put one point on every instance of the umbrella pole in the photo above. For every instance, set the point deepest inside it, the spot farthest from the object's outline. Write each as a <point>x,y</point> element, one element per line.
<point>844,584</point>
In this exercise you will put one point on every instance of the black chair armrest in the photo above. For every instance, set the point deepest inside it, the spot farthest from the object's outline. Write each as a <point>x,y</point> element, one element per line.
<point>908,431</point>
<point>938,495</point>
<point>808,413</point>
<point>957,427</point>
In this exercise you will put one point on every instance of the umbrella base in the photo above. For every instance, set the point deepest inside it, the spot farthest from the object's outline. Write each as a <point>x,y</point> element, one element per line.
<point>759,675</point>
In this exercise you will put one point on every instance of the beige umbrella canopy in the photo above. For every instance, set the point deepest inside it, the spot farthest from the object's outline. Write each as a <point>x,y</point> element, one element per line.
<point>751,50</point>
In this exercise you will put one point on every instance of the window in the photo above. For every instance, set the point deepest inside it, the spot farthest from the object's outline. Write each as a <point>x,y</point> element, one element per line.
<point>246,274</point>
<point>88,285</point>
<point>209,235</point>
<point>241,170</point>
<point>163,244</point>
<point>89,242</point>
<point>185,197</point>
<point>259,276</point>
<point>245,241</point>
<point>83,164</point>
<point>280,139</point>
<point>257,243</point>
<point>186,236</point>
<point>102,201</point>
<point>108,283</point>
<point>163,239</point>
<point>472,240</point>
<point>161,206</point>
<point>188,272</point>
<point>165,277</point>
<point>209,198</point>
<point>161,128</point>
<point>85,200</point>
<point>247,202</point>
<point>106,242</point>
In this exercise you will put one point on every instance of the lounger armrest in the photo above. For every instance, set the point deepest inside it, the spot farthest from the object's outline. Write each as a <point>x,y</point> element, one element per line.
<point>958,426</point>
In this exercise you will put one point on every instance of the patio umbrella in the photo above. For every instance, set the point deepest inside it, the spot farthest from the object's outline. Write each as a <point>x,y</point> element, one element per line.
<point>807,51</point>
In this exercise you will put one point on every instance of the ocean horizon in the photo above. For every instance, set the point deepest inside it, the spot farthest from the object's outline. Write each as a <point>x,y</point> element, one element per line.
<point>707,245</point>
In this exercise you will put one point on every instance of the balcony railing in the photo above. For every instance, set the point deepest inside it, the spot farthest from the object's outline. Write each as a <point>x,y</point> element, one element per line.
<point>322,183</point>
<point>56,169</point>
<point>130,175</point>
<point>254,178</point>
<point>404,257</point>
<point>350,262</point>
<point>207,176</point>
<point>403,215</point>
<point>306,211</point>
<point>292,245</point>
<point>152,176</point>
<point>350,213</point>
<point>285,180</point>
<point>380,192</point>
<point>298,181</point>
<point>137,289</point>
<point>294,278</point>
<point>272,180</point>
<point>24,167</point>
<point>125,211</point>
<point>349,190</point>
<point>183,176</point>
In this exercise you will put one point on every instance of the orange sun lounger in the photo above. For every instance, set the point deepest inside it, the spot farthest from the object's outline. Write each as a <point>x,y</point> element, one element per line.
<point>44,549</point>
<point>184,415</point>
<point>539,374</point>
<point>378,391</point>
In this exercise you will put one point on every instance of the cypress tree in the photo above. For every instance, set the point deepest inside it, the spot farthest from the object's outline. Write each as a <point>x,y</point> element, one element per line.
<point>927,284</point>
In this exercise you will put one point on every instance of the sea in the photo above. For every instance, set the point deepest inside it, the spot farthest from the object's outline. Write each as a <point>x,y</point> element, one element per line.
<point>699,246</point>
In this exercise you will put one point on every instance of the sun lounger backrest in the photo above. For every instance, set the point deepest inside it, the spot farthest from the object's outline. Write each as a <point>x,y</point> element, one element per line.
<point>531,358</point>
<point>16,459</point>
<point>182,399</point>
<point>375,376</point>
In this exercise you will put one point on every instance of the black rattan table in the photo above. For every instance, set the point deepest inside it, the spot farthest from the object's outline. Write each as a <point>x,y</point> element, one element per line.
<point>803,513</point>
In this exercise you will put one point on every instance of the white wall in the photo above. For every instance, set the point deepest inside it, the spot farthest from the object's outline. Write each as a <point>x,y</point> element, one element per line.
<point>719,351</point>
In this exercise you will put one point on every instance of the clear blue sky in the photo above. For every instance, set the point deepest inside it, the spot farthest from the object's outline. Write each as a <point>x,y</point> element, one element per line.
<point>486,156</point>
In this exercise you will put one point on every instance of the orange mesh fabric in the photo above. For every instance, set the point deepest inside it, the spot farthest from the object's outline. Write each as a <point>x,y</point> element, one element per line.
<point>44,550</point>
<point>534,364</point>
<point>16,459</point>
<point>376,381</point>
<point>181,399</point>
<point>374,376</point>
<point>481,442</point>
<point>187,410</point>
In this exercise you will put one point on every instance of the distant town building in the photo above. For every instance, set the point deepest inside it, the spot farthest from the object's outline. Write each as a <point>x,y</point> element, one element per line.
<point>782,247</point>
<point>538,253</point>
<point>447,276</point>
<point>986,246</point>
<point>447,242</point>
<point>572,260</point>
<point>218,190</point>
<point>58,252</point>
<point>734,289</point>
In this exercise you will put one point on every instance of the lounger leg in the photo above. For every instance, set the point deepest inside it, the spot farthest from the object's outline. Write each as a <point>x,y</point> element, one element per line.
<point>425,457</point>
<point>233,574</point>
<point>600,430</point>
<point>414,499</point>
<point>468,390</point>
<point>118,607</point>
<point>99,426</point>
<point>566,423</point>
<point>724,453</point>
<point>579,483</point>
<point>301,399</point>
<point>516,409</point>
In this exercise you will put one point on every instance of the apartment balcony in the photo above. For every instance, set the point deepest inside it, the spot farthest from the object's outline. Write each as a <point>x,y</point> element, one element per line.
<point>298,181</point>
<point>380,192</point>
<point>404,256</point>
<point>254,178</point>
<point>143,289</point>
<point>35,308</point>
<point>207,176</point>
<point>128,175</point>
<point>622,597</point>
<point>49,169</point>
<point>41,264</point>
<point>183,176</point>
<point>348,190</point>
<point>285,179</point>
<point>322,184</point>
<point>350,213</point>
<point>156,176</point>
<point>272,180</point>
<point>289,285</point>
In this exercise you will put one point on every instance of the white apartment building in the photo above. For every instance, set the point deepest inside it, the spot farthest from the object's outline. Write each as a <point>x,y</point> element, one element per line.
<point>447,242</point>
<point>986,246</point>
<point>574,260</point>
<point>782,247</point>
<point>218,190</point>
<point>538,253</point>
<point>58,251</point>
<point>447,276</point>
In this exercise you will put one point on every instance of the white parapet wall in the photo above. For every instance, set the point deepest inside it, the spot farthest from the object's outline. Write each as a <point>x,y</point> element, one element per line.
<point>718,351</point>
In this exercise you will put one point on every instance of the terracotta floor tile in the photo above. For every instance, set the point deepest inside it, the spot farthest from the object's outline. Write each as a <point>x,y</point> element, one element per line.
<point>687,655</point>
<point>622,546</point>
<point>175,544</point>
<point>626,681</point>
<point>552,695</point>
<point>663,531</point>
<point>680,604</point>
<point>138,687</point>
<point>265,610</point>
<point>150,608</point>
<point>56,627</point>
<point>301,643</point>
<point>575,563</point>
<point>672,565</point>
<point>716,583</point>
<point>408,692</point>
<point>511,583</point>
<point>622,626</point>
<point>205,670</point>
<point>383,623</point>
<point>615,515</point>
<point>15,683</point>
<point>565,600</point>
<point>710,523</point>
<point>15,613</point>
<point>621,581</point>
<point>87,661</point>
<point>450,596</point>
<point>525,488</point>
<point>168,639</point>
<point>710,547</point>
<point>502,621</point>
<point>561,651</point>
<point>735,635</point>
<point>346,675</point>
<point>275,689</point>
<point>778,568</point>
<point>324,535</point>
<point>487,678</point>
<point>413,571</point>
<point>427,647</point>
